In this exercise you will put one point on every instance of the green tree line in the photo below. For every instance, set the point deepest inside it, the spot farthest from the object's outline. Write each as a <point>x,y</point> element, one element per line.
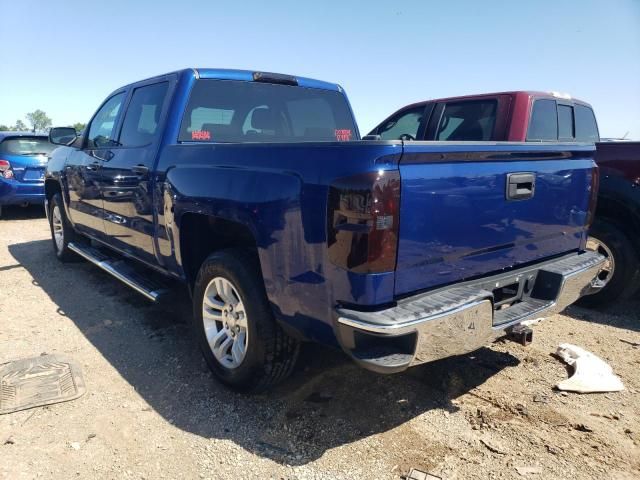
<point>38,121</point>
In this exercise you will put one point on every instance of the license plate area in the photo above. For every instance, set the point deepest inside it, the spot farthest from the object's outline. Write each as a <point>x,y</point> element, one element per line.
<point>511,290</point>
<point>33,174</point>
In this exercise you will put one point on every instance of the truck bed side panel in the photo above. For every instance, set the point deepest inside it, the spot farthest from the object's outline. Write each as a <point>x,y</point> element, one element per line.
<point>279,192</point>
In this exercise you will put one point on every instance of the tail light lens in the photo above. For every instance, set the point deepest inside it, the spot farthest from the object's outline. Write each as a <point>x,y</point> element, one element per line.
<point>5,169</point>
<point>363,221</point>
<point>593,201</point>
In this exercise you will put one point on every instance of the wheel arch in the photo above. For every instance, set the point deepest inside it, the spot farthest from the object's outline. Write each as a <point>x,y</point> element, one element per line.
<point>624,215</point>
<point>51,187</point>
<point>202,234</point>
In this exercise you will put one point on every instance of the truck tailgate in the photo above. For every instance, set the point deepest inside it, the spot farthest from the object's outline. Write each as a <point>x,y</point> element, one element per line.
<point>457,222</point>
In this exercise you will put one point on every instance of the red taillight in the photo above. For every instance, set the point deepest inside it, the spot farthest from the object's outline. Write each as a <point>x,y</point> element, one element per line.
<point>5,169</point>
<point>363,221</point>
<point>593,201</point>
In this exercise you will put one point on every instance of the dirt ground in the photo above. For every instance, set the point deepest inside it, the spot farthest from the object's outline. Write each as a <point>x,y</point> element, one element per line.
<point>152,410</point>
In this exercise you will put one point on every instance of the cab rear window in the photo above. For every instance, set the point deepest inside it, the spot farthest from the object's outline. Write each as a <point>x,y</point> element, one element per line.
<point>239,111</point>
<point>544,121</point>
<point>26,146</point>
<point>586,126</point>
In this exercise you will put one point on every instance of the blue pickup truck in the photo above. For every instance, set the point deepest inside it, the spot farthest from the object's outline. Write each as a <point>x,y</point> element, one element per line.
<point>256,190</point>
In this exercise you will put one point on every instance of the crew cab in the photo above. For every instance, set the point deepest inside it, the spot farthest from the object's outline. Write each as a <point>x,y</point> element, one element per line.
<point>255,190</point>
<point>528,116</point>
<point>23,157</point>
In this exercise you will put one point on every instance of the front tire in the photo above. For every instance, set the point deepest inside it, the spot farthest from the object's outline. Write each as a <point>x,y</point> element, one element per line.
<point>233,323</point>
<point>62,232</point>
<point>621,267</point>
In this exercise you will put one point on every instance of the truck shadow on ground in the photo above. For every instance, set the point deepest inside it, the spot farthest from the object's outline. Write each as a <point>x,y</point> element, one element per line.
<point>17,212</point>
<point>327,403</point>
<point>623,314</point>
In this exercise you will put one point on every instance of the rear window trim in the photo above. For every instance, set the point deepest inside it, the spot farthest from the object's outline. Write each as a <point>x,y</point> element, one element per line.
<point>214,142</point>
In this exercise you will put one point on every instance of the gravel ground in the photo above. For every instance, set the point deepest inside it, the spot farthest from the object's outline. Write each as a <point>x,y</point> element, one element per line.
<point>153,411</point>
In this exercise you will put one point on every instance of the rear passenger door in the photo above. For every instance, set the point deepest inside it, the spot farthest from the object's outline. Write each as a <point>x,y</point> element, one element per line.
<point>127,177</point>
<point>468,120</point>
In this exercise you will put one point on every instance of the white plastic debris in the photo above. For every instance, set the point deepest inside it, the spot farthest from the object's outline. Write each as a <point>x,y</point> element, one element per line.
<point>533,321</point>
<point>591,374</point>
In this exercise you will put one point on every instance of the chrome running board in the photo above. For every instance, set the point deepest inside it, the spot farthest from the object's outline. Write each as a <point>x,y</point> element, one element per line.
<point>140,282</point>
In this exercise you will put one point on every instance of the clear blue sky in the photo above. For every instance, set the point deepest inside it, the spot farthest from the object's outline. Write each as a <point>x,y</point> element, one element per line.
<point>65,57</point>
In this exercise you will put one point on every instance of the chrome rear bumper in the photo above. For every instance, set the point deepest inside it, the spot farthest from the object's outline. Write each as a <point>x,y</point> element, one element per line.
<point>462,318</point>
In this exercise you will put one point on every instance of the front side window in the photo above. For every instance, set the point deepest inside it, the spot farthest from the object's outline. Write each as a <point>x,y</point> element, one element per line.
<point>543,125</point>
<point>143,115</point>
<point>586,126</point>
<point>239,111</point>
<point>565,122</point>
<point>103,125</point>
<point>27,146</point>
<point>403,126</point>
<point>468,121</point>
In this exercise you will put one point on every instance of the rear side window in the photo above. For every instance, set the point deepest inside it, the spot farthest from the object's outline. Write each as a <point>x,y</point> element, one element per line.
<point>544,121</point>
<point>143,115</point>
<point>586,126</point>
<point>240,111</point>
<point>404,125</point>
<point>565,122</point>
<point>467,121</point>
<point>26,146</point>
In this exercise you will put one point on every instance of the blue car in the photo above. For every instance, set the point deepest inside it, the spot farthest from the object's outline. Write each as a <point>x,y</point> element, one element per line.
<point>23,159</point>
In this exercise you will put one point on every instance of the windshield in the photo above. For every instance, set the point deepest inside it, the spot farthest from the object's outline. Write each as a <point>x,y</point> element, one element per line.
<point>239,111</point>
<point>26,146</point>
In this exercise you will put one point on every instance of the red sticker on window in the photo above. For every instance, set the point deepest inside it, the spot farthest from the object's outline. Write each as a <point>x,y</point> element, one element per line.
<point>343,135</point>
<point>200,135</point>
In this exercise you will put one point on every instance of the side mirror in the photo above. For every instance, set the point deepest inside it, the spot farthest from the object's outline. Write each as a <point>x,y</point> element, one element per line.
<point>62,135</point>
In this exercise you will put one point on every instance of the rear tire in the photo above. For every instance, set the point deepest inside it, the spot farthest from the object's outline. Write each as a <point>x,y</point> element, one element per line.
<point>620,282</point>
<point>62,233</point>
<point>234,326</point>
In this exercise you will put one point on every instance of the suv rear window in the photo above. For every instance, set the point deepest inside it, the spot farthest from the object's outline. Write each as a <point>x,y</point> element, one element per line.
<point>544,121</point>
<point>240,111</point>
<point>26,146</point>
<point>471,120</point>
<point>586,126</point>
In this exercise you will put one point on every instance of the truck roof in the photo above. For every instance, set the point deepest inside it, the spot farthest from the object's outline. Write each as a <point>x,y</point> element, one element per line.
<point>528,93</point>
<point>244,75</point>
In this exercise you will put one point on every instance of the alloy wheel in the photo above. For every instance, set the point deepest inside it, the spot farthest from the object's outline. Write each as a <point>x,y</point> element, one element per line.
<point>225,322</point>
<point>606,272</point>
<point>58,230</point>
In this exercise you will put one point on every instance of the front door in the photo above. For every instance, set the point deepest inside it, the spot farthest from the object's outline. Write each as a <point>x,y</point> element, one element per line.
<point>126,179</point>
<point>84,165</point>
